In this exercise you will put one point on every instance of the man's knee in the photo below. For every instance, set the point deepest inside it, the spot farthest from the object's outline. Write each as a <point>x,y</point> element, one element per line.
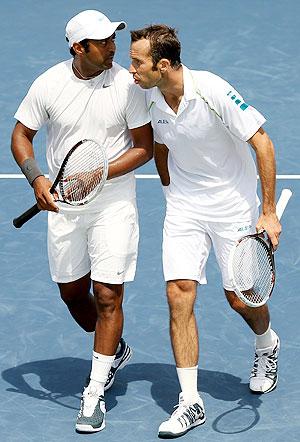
<point>234,302</point>
<point>108,297</point>
<point>181,295</point>
<point>240,307</point>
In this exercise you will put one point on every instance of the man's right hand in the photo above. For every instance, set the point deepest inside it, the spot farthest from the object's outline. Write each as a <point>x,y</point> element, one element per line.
<point>45,200</point>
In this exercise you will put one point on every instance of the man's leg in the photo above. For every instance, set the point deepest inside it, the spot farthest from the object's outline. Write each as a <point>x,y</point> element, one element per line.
<point>264,373</point>
<point>80,302</point>
<point>108,331</point>
<point>257,318</point>
<point>184,338</point>
<point>263,378</point>
<point>181,296</point>
<point>109,325</point>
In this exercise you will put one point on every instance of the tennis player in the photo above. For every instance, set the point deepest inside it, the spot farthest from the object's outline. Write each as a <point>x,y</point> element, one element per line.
<point>203,132</point>
<point>90,96</point>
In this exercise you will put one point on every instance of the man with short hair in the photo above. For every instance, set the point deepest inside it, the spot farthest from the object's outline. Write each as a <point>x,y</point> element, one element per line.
<point>90,96</point>
<point>202,131</point>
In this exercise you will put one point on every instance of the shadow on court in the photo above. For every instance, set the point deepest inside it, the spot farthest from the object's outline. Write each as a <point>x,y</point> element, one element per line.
<point>61,380</point>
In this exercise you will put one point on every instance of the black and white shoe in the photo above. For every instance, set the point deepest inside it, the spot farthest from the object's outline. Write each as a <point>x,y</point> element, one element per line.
<point>122,357</point>
<point>184,418</point>
<point>264,375</point>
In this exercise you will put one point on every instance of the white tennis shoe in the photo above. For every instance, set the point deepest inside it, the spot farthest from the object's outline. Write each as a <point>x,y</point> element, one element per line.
<point>264,375</point>
<point>184,418</point>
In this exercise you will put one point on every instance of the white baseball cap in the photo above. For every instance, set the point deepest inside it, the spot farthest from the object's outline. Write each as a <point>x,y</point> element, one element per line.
<point>91,24</point>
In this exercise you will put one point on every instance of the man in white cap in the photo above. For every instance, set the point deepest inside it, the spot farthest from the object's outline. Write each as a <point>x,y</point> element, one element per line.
<point>90,96</point>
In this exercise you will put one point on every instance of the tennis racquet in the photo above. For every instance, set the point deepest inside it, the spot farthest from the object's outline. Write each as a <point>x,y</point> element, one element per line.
<point>251,264</point>
<point>81,177</point>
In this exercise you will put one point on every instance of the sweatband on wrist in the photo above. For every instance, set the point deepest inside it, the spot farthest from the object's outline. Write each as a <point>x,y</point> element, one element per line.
<point>31,170</point>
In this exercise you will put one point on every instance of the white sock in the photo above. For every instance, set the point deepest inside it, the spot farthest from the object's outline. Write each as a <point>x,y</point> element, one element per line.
<point>188,382</point>
<point>101,365</point>
<point>267,339</point>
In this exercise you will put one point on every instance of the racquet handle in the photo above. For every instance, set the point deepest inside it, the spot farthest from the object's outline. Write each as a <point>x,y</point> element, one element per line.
<point>282,202</point>
<point>26,216</point>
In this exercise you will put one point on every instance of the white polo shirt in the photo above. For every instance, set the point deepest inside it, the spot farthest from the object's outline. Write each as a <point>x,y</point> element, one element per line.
<point>212,172</point>
<point>103,108</point>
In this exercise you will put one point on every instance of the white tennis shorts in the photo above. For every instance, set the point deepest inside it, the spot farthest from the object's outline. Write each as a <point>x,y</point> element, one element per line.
<point>103,243</point>
<point>187,243</point>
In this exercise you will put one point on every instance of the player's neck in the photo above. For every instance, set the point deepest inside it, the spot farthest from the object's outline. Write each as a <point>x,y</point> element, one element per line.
<point>82,72</point>
<point>172,88</point>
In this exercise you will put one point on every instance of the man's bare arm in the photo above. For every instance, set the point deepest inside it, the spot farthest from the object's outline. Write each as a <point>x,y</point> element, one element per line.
<point>139,154</point>
<point>22,150</point>
<point>265,158</point>
<point>161,153</point>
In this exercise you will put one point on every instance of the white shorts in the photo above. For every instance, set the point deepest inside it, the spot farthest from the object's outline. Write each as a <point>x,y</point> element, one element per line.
<point>187,243</point>
<point>103,243</point>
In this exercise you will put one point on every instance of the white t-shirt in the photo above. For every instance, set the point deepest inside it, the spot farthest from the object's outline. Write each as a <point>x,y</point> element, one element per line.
<point>103,108</point>
<point>213,175</point>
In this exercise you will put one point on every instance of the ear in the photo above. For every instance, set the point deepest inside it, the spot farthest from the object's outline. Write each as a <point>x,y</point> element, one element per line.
<point>163,65</point>
<point>78,48</point>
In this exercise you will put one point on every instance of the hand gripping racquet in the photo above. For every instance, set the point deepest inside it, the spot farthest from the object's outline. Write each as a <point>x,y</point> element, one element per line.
<point>81,177</point>
<point>251,263</point>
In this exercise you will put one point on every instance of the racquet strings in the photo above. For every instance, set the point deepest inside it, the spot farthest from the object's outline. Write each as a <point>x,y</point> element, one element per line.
<point>253,270</point>
<point>84,173</point>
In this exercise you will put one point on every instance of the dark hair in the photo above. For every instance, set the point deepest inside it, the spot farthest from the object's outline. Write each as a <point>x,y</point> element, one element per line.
<point>84,43</point>
<point>164,43</point>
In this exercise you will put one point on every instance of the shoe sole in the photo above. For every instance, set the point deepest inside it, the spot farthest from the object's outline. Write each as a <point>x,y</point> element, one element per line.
<point>82,428</point>
<point>122,364</point>
<point>168,435</point>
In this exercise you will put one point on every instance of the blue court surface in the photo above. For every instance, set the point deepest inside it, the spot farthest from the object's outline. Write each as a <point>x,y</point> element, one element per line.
<point>44,355</point>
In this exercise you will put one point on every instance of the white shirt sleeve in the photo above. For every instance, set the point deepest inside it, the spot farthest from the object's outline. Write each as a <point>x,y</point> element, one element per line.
<point>239,117</point>
<point>137,114</point>
<point>32,110</point>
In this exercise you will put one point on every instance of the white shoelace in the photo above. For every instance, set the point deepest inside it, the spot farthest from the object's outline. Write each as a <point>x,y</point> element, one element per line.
<point>264,364</point>
<point>185,412</point>
<point>89,401</point>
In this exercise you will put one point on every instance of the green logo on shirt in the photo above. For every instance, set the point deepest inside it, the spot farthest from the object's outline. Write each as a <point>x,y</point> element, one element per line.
<point>243,106</point>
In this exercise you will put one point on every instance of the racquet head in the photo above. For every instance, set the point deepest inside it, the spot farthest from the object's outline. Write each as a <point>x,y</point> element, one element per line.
<point>81,177</point>
<point>251,265</point>
<point>252,270</point>
<point>82,174</point>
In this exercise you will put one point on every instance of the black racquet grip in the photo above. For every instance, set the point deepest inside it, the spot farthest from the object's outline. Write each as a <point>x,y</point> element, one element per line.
<point>26,216</point>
